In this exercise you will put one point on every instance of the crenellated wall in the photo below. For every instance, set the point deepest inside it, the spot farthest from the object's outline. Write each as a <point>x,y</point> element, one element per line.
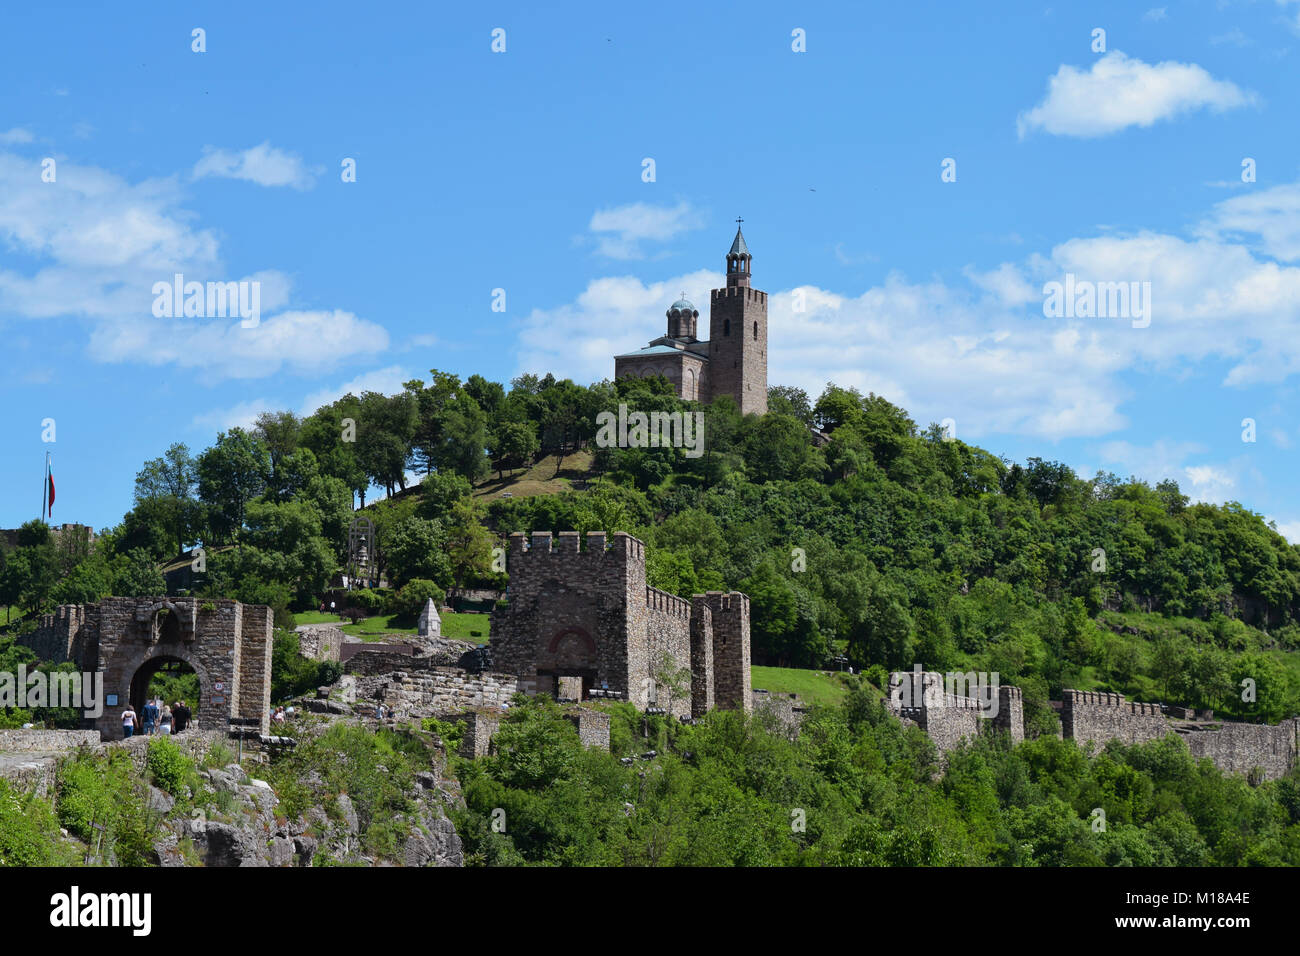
<point>1098,716</point>
<point>1095,717</point>
<point>732,682</point>
<point>584,617</point>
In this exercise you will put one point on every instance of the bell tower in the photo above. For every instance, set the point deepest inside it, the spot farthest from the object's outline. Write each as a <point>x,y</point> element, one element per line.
<point>738,334</point>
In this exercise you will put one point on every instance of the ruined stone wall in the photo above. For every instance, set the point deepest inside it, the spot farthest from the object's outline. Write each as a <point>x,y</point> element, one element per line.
<point>592,726</point>
<point>785,710</point>
<point>480,727</point>
<point>732,687</point>
<point>320,642</point>
<point>1244,748</point>
<point>56,637</point>
<point>46,741</point>
<point>1099,716</point>
<point>702,675</point>
<point>667,646</point>
<point>922,700</point>
<point>436,691</point>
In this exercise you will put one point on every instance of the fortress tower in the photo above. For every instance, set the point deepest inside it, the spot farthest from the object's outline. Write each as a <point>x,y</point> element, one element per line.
<point>582,624</point>
<point>738,335</point>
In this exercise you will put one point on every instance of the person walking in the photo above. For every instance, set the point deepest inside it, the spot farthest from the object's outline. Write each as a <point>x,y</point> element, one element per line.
<point>150,717</point>
<point>180,717</point>
<point>165,722</point>
<point>128,721</point>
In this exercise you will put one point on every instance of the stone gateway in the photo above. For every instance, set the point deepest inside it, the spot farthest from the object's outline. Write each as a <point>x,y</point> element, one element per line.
<point>225,643</point>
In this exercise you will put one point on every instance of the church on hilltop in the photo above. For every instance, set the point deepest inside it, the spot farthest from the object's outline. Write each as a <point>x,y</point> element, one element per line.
<point>734,359</point>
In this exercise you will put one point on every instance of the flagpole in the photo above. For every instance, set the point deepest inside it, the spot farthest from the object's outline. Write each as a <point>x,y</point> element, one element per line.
<point>45,485</point>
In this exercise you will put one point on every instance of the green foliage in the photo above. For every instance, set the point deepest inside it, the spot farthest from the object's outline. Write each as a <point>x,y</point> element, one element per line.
<point>409,601</point>
<point>292,674</point>
<point>105,790</point>
<point>854,789</point>
<point>169,768</point>
<point>29,831</point>
<point>375,770</point>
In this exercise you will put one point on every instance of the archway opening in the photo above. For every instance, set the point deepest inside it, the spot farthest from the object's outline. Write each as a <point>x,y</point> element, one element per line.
<point>171,680</point>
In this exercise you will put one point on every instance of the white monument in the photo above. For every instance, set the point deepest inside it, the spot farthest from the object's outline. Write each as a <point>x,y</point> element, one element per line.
<point>430,622</point>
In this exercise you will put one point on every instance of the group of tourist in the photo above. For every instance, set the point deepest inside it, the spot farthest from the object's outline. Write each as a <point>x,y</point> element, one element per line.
<point>156,718</point>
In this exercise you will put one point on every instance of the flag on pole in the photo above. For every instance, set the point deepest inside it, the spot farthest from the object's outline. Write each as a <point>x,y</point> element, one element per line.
<point>47,499</point>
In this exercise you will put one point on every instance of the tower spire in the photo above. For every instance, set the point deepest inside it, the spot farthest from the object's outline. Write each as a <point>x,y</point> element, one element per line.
<point>738,260</point>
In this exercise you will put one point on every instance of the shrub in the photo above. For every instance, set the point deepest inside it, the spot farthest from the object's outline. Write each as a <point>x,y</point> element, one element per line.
<point>170,769</point>
<point>367,600</point>
<point>410,600</point>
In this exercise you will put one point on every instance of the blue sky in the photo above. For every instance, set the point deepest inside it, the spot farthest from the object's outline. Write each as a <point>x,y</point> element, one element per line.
<point>523,170</point>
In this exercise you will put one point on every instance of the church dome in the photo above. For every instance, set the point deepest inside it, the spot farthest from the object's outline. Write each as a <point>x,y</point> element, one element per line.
<point>682,307</point>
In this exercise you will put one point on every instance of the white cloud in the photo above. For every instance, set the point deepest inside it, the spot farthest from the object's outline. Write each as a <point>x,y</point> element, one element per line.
<point>15,136</point>
<point>620,231</point>
<point>263,164</point>
<point>1289,530</point>
<point>1210,483</point>
<point>1119,92</point>
<point>388,380</point>
<point>1271,214</point>
<point>242,415</point>
<point>1154,15</point>
<point>93,249</point>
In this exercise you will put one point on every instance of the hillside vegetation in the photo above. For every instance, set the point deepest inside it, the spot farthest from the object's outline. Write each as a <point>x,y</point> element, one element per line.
<point>883,542</point>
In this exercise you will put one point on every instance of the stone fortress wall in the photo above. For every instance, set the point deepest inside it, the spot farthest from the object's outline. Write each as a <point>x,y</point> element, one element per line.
<point>1092,718</point>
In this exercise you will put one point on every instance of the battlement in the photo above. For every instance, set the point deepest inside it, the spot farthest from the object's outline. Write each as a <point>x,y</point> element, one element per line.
<point>666,603</point>
<point>1091,698</point>
<point>737,292</point>
<point>544,544</point>
<point>726,602</point>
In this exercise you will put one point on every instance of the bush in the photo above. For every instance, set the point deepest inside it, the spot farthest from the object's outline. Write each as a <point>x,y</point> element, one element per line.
<point>291,673</point>
<point>409,601</point>
<point>170,769</point>
<point>29,831</point>
<point>367,600</point>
